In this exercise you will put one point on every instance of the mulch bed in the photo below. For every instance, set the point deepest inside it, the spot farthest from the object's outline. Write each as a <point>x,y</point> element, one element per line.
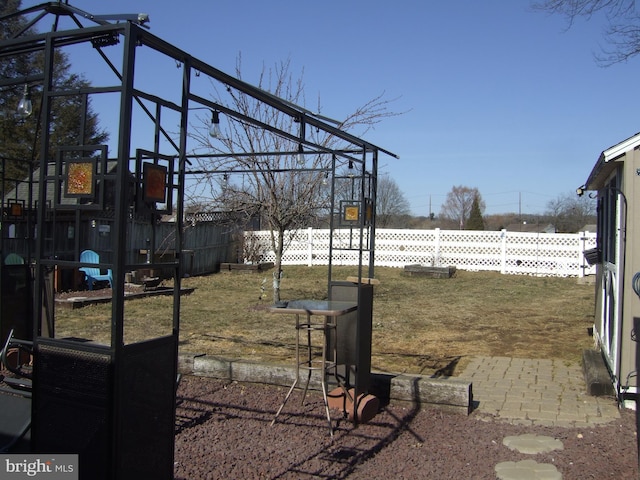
<point>224,430</point>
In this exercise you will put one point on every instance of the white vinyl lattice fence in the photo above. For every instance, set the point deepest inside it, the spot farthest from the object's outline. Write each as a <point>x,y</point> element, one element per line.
<point>544,254</point>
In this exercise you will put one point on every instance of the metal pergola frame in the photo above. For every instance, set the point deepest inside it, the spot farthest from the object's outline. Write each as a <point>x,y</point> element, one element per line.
<point>134,36</point>
<point>131,33</point>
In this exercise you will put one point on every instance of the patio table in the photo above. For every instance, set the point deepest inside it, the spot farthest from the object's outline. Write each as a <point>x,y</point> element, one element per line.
<point>304,310</point>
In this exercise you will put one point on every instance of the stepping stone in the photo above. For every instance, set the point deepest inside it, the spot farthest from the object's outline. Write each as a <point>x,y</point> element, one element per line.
<point>532,444</point>
<point>527,470</point>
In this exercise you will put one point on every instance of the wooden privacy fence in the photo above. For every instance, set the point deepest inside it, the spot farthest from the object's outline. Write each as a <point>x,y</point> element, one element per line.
<point>205,244</point>
<point>544,254</point>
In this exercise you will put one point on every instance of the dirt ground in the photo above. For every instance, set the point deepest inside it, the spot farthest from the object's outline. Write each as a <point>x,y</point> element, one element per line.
<point>224,431</point>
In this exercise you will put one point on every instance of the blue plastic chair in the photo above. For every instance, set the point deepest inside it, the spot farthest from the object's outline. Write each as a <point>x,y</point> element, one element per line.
<point>92,274</point>
<point>14,259</point>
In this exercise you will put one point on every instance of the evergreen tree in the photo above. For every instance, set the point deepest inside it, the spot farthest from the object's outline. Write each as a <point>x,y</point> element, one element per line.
<point>475,222</point>
<point>19,138</point>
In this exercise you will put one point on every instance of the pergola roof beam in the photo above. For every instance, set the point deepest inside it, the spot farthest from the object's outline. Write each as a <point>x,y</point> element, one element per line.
<point>284,106</point>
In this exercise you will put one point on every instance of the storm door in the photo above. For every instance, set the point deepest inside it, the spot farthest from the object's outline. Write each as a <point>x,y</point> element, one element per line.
<point>611,236</point>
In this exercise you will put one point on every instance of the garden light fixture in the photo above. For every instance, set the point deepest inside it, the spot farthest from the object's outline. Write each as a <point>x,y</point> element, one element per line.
<point>25,105</point>
<point>214,129</point>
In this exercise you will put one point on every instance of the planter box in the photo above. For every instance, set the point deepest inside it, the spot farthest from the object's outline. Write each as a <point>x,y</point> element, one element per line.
<point>245,267</point>
<point>431,272</point>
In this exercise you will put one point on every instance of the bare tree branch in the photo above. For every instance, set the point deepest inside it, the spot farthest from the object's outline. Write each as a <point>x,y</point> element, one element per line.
<point>622,33</point>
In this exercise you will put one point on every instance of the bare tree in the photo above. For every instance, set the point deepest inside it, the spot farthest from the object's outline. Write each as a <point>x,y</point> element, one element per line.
<point>570,212</point>
<point>268,175</point>
<point>391,203</point>
<point>622,32</point>
<point>457,206</point>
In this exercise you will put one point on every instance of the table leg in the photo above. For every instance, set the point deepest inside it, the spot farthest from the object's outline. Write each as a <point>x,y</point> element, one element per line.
<point>325,365</point>
<point>295,381</point>
<point>309,358</point>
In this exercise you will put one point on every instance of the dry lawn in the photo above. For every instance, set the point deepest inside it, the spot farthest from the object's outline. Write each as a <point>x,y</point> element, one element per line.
<point>420,325</point>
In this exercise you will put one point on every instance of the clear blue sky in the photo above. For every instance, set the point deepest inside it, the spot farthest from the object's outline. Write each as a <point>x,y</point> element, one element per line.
<point>496,96</point>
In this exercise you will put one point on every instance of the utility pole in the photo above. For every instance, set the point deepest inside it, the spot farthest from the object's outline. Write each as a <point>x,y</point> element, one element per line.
<point>520,207</point>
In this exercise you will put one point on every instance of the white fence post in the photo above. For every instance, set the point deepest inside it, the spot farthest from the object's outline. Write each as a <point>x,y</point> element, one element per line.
<point>436,250</point>
<point>309,247</point>
<point>581,260</point>
<point>503,251</point>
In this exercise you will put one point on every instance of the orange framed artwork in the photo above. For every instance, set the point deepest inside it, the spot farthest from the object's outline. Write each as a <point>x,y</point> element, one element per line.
<point>80,178</point>
<point>154,181</point>
<point>15,208</point>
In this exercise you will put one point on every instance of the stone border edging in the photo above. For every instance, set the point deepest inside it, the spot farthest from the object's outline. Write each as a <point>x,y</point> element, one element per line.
<point>445,393</point>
